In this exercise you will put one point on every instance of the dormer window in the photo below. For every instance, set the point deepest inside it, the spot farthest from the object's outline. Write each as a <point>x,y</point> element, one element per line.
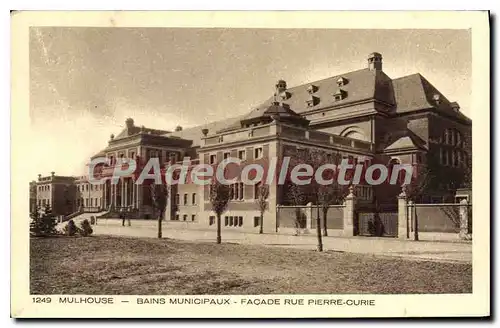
<point>312,89</point>
<point>437,98</point>
<point>285,95</point>
<point>342,81</point>
<point>312,101</point>
<point>340,94</point>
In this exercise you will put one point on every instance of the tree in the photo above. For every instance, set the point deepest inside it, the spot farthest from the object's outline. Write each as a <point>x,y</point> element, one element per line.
<point>419,184</point>
<point>219,198</point>
<point>297,193</point>
<point>316,158</point>
<point>159,195</point>
<point>296,196</point>
<point>414,191</point>
<point>261,200</point>
<point>332,193</point>
<point>43,223</point>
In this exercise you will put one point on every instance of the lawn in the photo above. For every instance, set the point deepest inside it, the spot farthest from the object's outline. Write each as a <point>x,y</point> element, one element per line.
<point>146,266</point>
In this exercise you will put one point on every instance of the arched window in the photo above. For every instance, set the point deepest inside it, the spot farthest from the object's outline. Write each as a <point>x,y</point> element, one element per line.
<point>354,132</point>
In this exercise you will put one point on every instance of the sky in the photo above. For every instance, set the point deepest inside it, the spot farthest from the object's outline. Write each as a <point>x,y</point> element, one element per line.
<point>85,81</point>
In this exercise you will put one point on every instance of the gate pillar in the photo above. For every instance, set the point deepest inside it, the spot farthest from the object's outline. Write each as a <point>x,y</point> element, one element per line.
<point>464,219</point>
<point>349,213</point>
<point>403,232</point>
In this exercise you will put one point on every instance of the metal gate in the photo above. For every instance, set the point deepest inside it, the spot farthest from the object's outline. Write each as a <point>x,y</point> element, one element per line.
<point>383,224</point>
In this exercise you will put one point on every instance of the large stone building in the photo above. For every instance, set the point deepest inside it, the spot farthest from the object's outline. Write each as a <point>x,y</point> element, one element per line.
<point>364,115</point>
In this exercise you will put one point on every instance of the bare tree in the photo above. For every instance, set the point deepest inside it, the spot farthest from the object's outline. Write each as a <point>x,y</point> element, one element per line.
<point>309,191</point>
<point>261,200</point>
<point>332,193</point>
<point>159,196</point>
<point>418,184</point>
<point>415,189</point>
<point>219,198</point>
<point>296,196</point>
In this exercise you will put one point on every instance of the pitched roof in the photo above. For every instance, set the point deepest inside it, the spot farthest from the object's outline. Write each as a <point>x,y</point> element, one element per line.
<point>406,94</point>
<point>129,131</point>
<point>360,85</point>
<point>281,110</point>
<point>414,92</point>
<point>195,134</point>
<point>408,141</point>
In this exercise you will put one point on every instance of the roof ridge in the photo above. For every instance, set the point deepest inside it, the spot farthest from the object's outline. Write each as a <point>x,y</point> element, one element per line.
<point>327,78</point>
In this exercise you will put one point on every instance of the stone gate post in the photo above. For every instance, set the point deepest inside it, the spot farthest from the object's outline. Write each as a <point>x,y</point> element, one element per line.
<point>309,217</point>
<point>464,219</point>
<point>403,231</point>
<point>349,213</point>
<point>412,217</point>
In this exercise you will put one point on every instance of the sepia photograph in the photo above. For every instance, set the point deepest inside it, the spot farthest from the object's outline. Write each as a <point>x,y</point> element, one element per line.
<point>249,161</point>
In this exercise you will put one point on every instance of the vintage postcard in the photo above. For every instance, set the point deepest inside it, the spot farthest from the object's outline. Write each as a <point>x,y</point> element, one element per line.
<point>250,164</point>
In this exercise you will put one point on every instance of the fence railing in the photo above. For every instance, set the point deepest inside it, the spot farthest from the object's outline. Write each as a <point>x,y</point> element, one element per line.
<point>441,218</point>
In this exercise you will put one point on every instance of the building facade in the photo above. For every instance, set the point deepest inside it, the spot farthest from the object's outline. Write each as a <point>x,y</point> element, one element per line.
<point>363,115</point>
<point>56,192</point>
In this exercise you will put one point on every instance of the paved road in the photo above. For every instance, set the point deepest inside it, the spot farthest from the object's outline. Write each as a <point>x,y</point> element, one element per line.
<point>427,250</point>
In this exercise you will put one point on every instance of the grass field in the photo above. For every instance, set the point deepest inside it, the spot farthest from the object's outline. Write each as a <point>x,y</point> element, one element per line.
<point>114,265</point>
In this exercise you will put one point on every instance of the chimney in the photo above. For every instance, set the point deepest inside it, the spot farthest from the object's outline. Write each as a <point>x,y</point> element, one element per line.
<point>129,122</point>
<point>280,87</point>
<point>52,173</point>
<point>375,61</point>
<point>39,177</point>
<point>204,131</point>
<point>178,128</point>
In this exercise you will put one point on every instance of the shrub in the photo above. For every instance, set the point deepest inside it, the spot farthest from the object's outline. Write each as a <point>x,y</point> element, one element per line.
<point>70,229</point>
<point>86,229</point>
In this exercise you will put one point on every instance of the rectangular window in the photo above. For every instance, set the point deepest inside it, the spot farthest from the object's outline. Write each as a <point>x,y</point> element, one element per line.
<point>256,221</point>
<point>213,159</point>
<point>177,217</point>
<point>236,193</point>
<point>231,221</point>
<point>258,153</point>
<point>193,199</point>
<point>193,217</point>
<point>226,221</point>
<point>256,190</point>
<point>242,154</point>
<point>211,220</point>
<point>185,199</point>
<point>226,155</point>
<point>240,221</point>
<point>177,199</point>
<point>185,217</point>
